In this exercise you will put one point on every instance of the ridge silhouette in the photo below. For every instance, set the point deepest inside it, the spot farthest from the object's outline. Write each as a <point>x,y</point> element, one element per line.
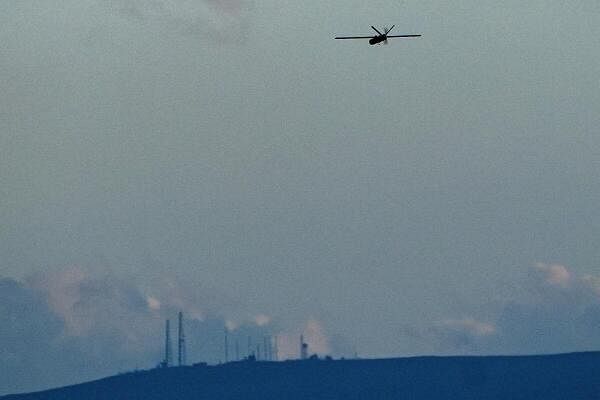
<point>564,376</point>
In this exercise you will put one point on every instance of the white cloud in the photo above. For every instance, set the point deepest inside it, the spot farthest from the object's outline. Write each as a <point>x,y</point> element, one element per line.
<point>554,274</point>
<point>105,324</point>
<point>592,282</point>
<point>220,19</point>
<point>262,319</point>
<point>470,326</point>
<point>316,338</point>
<point>231,325</point>
<point>558,312</point>
<point>62,291</point>
<point>153,303</point>
<point>314,334</point>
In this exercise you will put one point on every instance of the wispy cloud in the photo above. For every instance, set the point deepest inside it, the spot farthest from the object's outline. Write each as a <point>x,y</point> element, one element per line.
<point>561,313</point>
<point>314,335</point>
<point>99,325</point>
<point>220,20</point>
<point>469,326</point>
<point>554,274</point>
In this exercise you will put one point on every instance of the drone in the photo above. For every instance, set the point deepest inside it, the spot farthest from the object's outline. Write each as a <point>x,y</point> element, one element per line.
<point>380,37</point>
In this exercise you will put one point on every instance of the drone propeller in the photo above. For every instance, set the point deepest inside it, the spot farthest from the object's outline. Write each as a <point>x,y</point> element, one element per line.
<point>375,29</point>
<point>387,30</point>
<point>385,41</point>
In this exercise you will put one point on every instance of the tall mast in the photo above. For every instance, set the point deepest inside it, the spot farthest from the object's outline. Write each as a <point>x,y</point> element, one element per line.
<point>181,351</point>
<point>168,356</point>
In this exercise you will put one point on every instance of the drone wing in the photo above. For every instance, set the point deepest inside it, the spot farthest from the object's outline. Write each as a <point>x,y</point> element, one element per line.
<point>353,37</point>
<point>405,36</point>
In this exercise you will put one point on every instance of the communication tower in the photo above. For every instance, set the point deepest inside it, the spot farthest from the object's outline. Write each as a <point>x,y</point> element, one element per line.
<point>181,351</point>
<point>303,348</point>
<point>168,352</point>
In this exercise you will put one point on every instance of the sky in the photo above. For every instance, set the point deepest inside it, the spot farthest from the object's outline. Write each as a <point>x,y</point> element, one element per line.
<point>229,159</point>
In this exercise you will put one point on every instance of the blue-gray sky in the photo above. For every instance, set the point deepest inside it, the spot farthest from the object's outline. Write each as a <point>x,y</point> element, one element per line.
<point>229,158</point>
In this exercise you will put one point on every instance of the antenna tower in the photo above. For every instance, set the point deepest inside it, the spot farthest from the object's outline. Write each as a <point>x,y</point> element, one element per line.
<point>226,346</point>
<point>168,356</point>
<point>266,347</point>
<point>303,348</point>
<point>181,351</point>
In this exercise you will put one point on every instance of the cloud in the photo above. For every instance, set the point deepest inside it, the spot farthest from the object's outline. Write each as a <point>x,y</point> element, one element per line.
<point>554,274</point>
<point>153,303</point>
<point>560,313</point>
<point>31,336</point>
<point>313,334</point>
<point>262,319</point>
<point>221,20</point>
<point>454,336</point>
<point>70,325</point>
<point>89,303</point>
<point>592,283</point>
<point>469,326</point>
<point>316,338</point>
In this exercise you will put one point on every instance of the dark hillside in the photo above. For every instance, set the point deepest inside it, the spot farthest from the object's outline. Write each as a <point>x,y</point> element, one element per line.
<point>566,376</point>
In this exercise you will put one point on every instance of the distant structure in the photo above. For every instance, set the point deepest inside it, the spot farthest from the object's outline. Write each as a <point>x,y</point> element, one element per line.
<point>275,348</point>
<point>271,348</point>
<point>226,345</point>
<point>303,348</point>
<point>168,353</point>
<point>181,351</point>
<point>267,356</point>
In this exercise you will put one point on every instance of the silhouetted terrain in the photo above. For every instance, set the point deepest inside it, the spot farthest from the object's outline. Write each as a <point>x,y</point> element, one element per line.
<point>566,376</point>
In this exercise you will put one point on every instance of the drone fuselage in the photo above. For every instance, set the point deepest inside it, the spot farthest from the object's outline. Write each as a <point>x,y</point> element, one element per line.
<point>377,39</point>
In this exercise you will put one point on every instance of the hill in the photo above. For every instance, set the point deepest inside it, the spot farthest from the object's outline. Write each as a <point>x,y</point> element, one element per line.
<point>546,377</point>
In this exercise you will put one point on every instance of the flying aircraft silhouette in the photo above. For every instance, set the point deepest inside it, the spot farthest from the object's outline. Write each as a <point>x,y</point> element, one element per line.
<point>380,37</point>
